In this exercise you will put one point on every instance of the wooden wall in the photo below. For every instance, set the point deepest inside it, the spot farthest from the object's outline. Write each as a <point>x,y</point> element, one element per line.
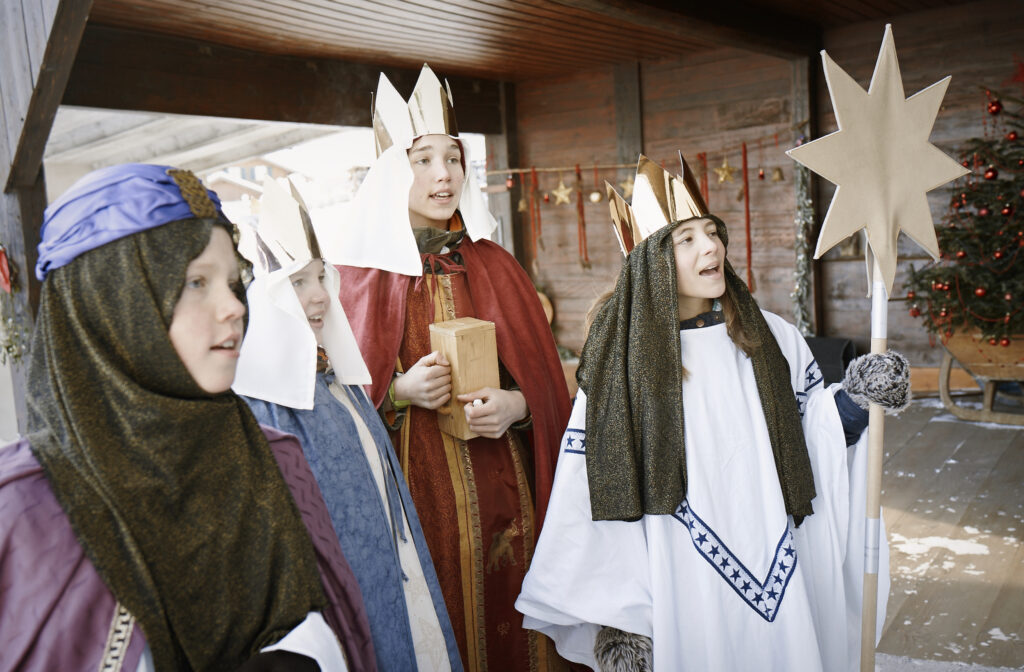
<point>713,102</point>
<point>708,104</point>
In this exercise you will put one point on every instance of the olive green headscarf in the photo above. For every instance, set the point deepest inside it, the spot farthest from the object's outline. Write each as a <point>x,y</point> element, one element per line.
<point>173,492</point>
<point>631,372</point>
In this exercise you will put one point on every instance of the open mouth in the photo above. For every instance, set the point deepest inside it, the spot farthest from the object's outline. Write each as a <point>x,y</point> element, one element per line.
<point>443,196</point>
<point>229,345</point>
<point>316,321</point>
<point>711,271</point>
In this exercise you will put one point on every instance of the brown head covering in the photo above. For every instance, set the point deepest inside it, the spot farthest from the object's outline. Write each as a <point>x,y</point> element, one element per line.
<point>631,372</point>
<point>173,492</point>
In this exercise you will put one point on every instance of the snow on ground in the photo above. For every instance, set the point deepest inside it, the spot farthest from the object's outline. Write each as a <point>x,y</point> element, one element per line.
<point>886,663</point>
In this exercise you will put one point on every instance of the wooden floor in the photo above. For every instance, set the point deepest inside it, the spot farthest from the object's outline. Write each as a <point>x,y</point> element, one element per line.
<point>953,504</point>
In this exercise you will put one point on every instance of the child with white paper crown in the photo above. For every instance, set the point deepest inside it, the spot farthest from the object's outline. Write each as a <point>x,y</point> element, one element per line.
<point>415,251</point>
<point>301,372</point>
<point>703,514</point>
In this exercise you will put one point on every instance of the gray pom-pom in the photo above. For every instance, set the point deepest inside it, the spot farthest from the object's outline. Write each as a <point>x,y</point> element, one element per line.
<point>620,651</point>
<point>880,379</point>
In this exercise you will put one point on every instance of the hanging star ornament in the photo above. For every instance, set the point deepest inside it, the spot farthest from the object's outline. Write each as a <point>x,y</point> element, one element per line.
<point>880,160</point>
<point>627,187</point>
<point>725,171</point>
<point>561,192</point>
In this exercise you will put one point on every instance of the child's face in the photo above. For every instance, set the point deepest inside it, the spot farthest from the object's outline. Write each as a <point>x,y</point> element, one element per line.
<point>207,327</point>
<point>437,180</point>
<point>700,260</point>
<point>309,287</point>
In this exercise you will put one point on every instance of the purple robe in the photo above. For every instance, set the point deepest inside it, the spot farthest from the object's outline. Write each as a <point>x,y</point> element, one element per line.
<point>57,614</point>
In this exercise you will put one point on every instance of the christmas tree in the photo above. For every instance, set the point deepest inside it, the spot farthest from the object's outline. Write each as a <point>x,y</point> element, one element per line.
<point>978,281</point>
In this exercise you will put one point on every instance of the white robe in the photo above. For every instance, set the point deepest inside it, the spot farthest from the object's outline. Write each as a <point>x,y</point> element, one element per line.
<point>726,583</point>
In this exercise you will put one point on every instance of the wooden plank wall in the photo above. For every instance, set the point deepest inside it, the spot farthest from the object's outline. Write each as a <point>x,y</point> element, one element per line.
<point>714,101</point>
<point>711,103</point>
<point>975,43</point>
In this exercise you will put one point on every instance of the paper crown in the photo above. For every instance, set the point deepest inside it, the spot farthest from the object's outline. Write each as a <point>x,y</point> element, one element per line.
<point>430,111</point>
<point>659,198</point>
<point>285,234</point>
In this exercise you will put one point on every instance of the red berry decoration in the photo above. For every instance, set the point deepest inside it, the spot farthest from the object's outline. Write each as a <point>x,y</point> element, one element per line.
<point>1007,211</point>
<point>510,182</point>
<point>965,163</point>
<point>998,254</point>
<point>547,198</point>
<point>993,341</point>
<point>1008,296</point>
<point>991,173</point>
<point>1011,136</point>
<point>915,312</point>
<point>1004,341</point>
<point>960,254</point>
<point>760,173</point>
<point>980,291</point>
<point>943,312</point>
<point>1006,318</point>
<point>995,106</point>
<point>911,294</point>
<point>982,211</point>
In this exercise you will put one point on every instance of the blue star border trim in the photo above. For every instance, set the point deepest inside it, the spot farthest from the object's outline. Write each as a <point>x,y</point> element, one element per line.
<point>812,377</point>
<point>764,596</point>
<point>575,441</point>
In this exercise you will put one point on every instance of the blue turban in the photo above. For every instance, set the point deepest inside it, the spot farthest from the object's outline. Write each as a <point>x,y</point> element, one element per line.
<point>108,204</point>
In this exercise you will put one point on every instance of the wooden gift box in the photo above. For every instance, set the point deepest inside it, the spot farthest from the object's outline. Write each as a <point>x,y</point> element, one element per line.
<point>471,347</point>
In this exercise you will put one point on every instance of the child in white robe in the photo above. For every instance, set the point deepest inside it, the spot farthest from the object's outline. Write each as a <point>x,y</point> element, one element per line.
<point>727,536</point>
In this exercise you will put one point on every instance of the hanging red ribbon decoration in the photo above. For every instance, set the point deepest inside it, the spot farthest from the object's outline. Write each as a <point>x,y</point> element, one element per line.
<point>702,158</point>
<point>536,203</point>
<point>528,193</point>
<point>5,271</point>
<point>746,212</point>
<point>581,224</point>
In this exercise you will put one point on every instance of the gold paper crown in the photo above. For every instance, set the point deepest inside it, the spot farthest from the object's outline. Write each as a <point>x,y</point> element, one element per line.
<point>285,233</point>
<point>659,198</point>
<point>430,111</point>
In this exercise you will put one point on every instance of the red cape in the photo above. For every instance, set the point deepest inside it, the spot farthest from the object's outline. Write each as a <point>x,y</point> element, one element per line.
<point>375,303</point>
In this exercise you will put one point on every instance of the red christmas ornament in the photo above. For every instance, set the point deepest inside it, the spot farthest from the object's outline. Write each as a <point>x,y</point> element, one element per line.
<point>760,173</point>
<point>949,334</point>
<point>980,291</point>
<point>965,163</point>
<point>993,341</point>
<point>943,312</point>
<point>1007,211</point>
<point>911,294</point>
<point>994,107</point>
<point>1022,193</point>
<point>991,173</point>
<point>983,211</point>
<point>510,181</point>
<point>1011,136</point>
<point>1004,341</point>
<point>1006,318</point>
<point>1008,296</point>
<point>1000,232</point>
<point>960,254</point>
<point>915,312</point>
<point>998,254</point>
<point>547,198</point>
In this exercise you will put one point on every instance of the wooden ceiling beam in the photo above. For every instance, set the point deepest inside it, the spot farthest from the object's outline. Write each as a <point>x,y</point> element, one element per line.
<point>732,24</point>
<point>124,69</point>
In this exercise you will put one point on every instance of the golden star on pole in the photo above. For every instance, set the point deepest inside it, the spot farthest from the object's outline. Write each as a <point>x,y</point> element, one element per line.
<point>627,187</point>
<point>880,160</point>
<point>725,171</point>
<point>561,192</point>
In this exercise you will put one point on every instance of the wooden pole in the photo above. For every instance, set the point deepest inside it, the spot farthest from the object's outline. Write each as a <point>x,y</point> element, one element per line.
<point>873,508</point>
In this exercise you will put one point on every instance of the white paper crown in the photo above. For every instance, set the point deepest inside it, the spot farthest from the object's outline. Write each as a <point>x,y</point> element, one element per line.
<point>430,111</point>
<point>285,234</point>
<point>659,198</point>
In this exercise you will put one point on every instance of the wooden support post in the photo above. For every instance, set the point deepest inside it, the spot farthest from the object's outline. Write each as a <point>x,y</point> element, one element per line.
<point>38,43</point>
<point>503,151</point>
<point>805,113</point>
<point>629,128</point>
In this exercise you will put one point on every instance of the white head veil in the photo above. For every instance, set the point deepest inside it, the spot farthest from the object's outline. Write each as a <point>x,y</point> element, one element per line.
<point>377,233</point>
<point>277,362</point>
